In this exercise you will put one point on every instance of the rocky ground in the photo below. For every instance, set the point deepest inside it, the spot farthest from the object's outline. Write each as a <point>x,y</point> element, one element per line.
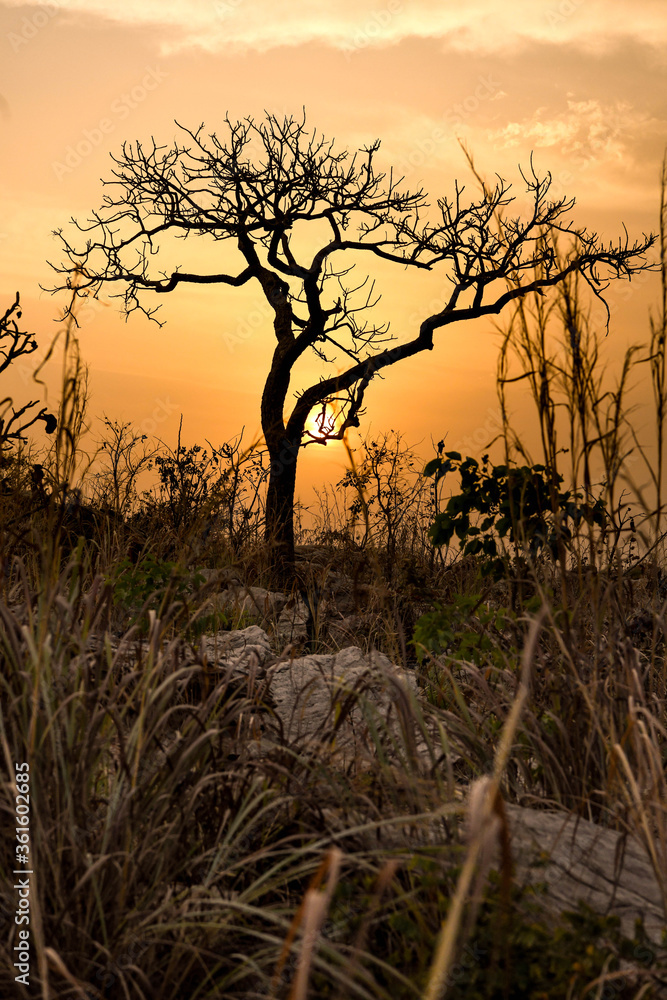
<point>352,704</point>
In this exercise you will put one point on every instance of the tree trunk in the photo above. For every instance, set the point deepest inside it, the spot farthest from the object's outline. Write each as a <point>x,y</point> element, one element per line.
<point>283,449</point>
<point>279,531</point>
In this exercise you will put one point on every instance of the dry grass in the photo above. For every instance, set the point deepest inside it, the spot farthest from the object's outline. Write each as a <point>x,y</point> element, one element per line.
<point>176,857</point>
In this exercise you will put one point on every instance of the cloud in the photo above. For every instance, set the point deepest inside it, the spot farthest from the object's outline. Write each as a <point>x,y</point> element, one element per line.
<point>355,25</point>
<point>585,130</point>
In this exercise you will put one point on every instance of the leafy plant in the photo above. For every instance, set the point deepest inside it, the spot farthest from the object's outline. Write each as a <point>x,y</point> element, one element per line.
<point>465,629</point>
<point>387,498</point>
<point>521,504</point>
<point>124,455</point>
<point>223,488</point>
<point>518,952</point>
<point>134,585</point>
<point>185,482</point>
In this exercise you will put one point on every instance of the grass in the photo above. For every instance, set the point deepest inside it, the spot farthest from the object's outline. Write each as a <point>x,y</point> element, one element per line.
<point>178,856</point>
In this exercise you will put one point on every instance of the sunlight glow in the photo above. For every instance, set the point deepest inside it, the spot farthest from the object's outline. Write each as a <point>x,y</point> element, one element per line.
<point>322,423</point>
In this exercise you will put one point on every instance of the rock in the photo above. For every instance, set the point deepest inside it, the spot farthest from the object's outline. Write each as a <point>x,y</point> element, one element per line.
<point>342,703</point>
<point>254,601</point>
<point>342,589</point>
<point>587,862</point>
<point>225,574</point>
<point>311,693</point>
<point>343,630</point>
<point>292,624</point>
<point>348,629</point>
<point>239,651</point>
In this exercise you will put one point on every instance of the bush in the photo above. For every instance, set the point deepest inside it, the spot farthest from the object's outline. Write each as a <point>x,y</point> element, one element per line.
<point>506,511</point>
<point>465,629</point>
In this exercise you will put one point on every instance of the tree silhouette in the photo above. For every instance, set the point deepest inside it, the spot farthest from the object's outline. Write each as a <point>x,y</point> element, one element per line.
<point>14,344</point>
<point>257,190</point>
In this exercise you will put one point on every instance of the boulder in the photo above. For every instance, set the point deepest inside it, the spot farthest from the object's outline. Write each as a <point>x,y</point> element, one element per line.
<point>580,860</point>
<point>346,704</point>
<point>341,703</point>
<point>292,624</point>
<point>239,651</point>
<point>345,630</point>
<point>345,701</point>
<point>254,601</point>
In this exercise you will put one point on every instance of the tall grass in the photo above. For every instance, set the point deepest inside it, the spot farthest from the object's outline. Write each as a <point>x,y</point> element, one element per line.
<point>185,847</point>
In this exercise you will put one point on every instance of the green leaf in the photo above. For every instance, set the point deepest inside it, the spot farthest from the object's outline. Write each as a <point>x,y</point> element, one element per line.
<point>503,525</point>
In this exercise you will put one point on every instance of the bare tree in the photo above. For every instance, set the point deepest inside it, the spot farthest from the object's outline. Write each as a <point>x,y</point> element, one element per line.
<point>257,190</point>
<point>14,344</point>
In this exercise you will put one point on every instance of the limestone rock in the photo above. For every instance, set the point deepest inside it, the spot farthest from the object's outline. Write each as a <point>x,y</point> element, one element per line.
<point>341,703</point>
<point>584,861</point>
<point>339,700</point>
<point>254,601</point>
<point>239,651</point>
<point>292,625</point>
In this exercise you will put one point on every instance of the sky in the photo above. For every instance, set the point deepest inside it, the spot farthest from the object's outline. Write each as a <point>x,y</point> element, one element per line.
<point>580,84</point>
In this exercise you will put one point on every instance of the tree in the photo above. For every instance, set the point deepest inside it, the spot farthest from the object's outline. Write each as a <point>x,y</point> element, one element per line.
<point>257,190</point>
<point>14,344</point>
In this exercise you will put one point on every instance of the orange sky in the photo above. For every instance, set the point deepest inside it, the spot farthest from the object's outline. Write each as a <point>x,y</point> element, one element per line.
<point>582,83</point>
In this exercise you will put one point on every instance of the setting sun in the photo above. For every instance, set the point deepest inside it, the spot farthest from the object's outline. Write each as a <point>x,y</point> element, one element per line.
<point>324,422</point>
<point>266,707</point>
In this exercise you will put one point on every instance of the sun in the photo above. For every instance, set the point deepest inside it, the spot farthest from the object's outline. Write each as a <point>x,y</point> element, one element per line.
<point>321,423</point>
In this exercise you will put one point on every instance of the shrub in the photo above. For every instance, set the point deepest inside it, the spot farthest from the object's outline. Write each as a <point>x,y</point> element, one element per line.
<point>133,586</point>
<point>500,504</point>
